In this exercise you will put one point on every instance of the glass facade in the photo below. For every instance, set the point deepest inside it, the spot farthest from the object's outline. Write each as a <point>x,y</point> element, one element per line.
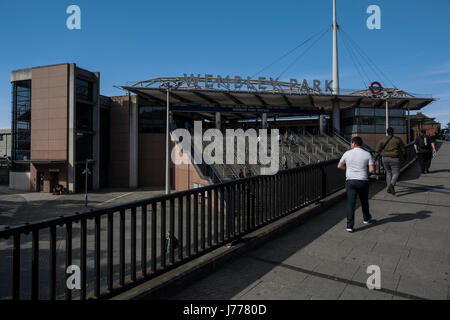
<point>84,137</point>
<point>152,119</point>
<point>21,122</point>
<point>372,120</point>
<point>84,90</point>
<point>84,117</point>
<point>83,145</point>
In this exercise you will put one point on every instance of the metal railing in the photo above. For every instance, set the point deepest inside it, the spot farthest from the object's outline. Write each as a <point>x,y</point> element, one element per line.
<point>379,168</point>
<point>404,161</point>
<point>119,247</point>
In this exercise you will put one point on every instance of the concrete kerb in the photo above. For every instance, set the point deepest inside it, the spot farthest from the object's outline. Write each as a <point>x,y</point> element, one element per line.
<point>164,285</point>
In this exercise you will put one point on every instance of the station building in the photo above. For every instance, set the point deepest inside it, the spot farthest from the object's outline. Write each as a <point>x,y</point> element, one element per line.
<point>60,120</point>
<point>5,142</point>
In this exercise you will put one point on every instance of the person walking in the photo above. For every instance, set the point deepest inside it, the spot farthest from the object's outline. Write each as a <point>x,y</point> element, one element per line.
<point>392,149</point>
<point>284,163</point>
<point>171,241</point>
<point>357,163</point>
<point>425,148</point>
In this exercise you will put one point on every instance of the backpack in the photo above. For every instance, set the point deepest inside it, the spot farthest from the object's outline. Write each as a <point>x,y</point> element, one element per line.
<point>424,142</point>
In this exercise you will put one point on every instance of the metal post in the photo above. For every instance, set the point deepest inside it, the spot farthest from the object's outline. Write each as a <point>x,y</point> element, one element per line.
<point>86,184</point>
<point>409,127</point>
<point>321,124</point>
<point>264,120</point>
<point>167,143</point>
<point>387,114</point>
<point>336,109</point>
<point>335,52</point>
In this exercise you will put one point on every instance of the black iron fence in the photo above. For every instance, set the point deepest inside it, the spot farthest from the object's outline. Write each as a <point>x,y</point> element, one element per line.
<point>120,247</point>
<point>410,156</point>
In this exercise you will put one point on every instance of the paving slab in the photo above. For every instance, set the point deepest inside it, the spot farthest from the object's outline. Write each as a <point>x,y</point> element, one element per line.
<point>410,242</point>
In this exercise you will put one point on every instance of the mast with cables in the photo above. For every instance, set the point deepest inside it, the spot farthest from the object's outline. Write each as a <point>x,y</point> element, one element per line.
<point>335,53</point>
<point>336,108</point>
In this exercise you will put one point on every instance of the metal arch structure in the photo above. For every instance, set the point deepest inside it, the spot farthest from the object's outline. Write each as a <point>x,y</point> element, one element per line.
<point>266,95</point>
<point>237,83</point>
<point>227,84</point>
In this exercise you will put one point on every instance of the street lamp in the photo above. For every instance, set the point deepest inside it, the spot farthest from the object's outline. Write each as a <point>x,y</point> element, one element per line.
<point>86,172</point>
<point>168,85</point>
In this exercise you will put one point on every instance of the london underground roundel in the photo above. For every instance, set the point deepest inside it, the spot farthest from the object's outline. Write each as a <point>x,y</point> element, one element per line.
<point>376,87</point>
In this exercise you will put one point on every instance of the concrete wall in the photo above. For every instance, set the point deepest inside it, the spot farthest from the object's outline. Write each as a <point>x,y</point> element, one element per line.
<point>5,143</point>
<point>20,75</point>
<point>19,181</point>
<point>4,175</point>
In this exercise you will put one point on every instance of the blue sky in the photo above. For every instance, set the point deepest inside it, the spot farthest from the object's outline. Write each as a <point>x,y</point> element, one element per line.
<point>134,40</point>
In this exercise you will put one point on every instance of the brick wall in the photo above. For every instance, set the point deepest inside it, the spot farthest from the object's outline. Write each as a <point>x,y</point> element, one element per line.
<point>119,154</point>
<point>49,108</point>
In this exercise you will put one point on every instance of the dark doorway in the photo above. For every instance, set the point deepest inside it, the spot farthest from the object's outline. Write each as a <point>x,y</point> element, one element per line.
<point>54,181</point>
<point>40,181</point>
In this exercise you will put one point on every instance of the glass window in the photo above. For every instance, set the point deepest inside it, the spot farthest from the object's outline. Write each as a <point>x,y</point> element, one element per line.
<point>84,117</point>
<point>348,113</point>
<point>1,137</point>
<point>21,122</point>
<point>366,121</point>
<point>366,129</point>
<point>84,90</point>
<point>366,111</point>
<point>397,112</point>
<point>152,119</point>
<point>379,112</point>
<point>396,122</point>
<point>83,146</point>
<point>351,129</point>
<point>380,121</point>
<point>348,121</point>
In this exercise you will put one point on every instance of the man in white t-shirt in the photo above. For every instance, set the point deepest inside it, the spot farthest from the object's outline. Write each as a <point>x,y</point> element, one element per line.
<point>357,163</point>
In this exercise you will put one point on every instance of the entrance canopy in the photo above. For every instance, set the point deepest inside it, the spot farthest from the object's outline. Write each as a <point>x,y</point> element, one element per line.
<point>195,94</point>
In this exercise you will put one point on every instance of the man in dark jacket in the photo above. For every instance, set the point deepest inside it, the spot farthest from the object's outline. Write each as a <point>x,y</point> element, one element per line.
<point>391,148</point>
<point>425,147</point>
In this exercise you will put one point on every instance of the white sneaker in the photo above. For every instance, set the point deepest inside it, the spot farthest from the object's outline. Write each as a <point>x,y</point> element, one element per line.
<point>349,230</point>
<point>368,222</point>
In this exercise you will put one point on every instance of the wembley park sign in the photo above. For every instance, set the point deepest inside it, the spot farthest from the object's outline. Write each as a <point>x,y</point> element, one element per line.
<point>238,83</point>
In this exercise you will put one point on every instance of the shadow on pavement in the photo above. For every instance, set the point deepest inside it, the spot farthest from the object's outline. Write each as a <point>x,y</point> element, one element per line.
<point>398,217</point>
<point>279,248</point>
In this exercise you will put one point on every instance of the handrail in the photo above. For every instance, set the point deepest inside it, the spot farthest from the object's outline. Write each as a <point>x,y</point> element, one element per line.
<point>341,136</point>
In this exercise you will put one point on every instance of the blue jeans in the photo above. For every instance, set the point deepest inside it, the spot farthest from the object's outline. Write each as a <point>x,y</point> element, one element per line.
<point>354,188</point>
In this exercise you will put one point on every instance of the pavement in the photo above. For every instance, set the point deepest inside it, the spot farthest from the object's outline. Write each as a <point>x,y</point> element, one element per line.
<point>318,259</point>
<point>18,207</point>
